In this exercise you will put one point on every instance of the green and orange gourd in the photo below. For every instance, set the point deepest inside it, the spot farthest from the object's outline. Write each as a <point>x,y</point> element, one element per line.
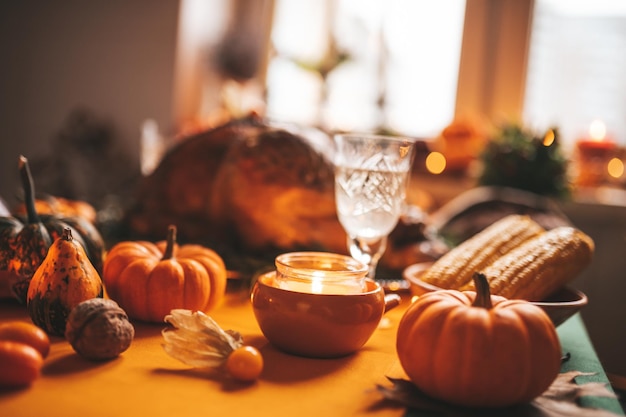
<point>26,237</point>
<point>23,245</point>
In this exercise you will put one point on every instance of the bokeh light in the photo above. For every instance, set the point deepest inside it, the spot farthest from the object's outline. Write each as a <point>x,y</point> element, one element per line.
<point>615,168</point>
<point>435,162</point>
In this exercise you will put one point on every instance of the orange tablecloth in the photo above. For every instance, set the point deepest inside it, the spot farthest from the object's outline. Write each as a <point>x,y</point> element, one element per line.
<point>145,381</point>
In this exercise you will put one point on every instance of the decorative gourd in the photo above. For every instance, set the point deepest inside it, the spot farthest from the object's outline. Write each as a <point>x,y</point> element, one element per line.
<point>83,231</point>
<point>24,240</point>
<point>64,279</point>
<point>149,280</point>
<point>9,226</point>
<point>24,245</point>
<point>476,349</point>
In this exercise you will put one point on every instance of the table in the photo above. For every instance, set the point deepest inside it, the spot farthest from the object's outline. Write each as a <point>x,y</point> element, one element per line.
<point>145,381</point>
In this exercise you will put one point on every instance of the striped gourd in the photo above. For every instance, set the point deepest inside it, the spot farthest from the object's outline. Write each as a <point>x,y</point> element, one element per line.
<point>455,269</point>
<point>541,265</point>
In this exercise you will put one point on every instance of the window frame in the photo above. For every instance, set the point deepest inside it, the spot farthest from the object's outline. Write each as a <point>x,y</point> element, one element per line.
<point>494,59</point>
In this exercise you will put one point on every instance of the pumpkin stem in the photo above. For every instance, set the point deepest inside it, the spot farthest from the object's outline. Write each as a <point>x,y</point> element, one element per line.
<point>67,234</point>
<point>29,190</point>
<point>170,243</point>
<point>483,295</point>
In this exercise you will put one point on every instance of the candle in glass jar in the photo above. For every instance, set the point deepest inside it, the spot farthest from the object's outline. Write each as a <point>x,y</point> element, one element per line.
<point>320,273</point>
<point>320,285</point>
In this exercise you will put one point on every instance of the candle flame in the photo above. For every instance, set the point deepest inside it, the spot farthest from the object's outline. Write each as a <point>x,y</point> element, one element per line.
<point>597,130</point>
<point>317,283</point>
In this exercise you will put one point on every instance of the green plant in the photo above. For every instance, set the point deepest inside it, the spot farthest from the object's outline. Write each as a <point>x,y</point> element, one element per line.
<point>518,158</point>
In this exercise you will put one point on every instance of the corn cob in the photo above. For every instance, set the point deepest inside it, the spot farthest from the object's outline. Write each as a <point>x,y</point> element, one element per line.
<point>456,268</point>
<point>541,265</point>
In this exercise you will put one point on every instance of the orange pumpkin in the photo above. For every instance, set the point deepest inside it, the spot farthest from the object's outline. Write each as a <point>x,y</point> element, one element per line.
<point>148,280</point>
<point>476,349</point>
<point>62,207</point>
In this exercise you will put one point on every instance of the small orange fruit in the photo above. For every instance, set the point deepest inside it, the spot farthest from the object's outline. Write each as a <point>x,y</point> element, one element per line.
<point>27,333</point>
<point>245,363</point>
<point>20,363</point>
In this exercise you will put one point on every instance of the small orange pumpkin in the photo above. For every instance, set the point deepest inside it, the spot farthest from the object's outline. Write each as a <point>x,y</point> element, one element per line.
<point>475,349</point>
<point>148,280</point>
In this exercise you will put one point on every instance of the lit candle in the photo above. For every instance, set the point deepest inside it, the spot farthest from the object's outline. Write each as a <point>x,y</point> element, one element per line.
<point>597,141</point>
<point>320,273</point>
<point>594,153</point>
<point>320,285</point>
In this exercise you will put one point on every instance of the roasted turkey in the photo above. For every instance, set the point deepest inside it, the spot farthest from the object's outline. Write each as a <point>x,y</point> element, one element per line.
<point>247,186</point>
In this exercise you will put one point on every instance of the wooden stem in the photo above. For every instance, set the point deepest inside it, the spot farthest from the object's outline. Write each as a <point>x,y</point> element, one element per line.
<point>483,295</point>
<point>29,190</point>
<point>170,243</point>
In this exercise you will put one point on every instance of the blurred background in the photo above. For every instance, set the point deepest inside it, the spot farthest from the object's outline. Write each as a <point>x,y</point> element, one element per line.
<point>94,92</point>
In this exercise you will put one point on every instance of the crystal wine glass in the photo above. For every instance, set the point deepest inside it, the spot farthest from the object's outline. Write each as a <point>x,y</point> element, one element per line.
<point>371,173</point>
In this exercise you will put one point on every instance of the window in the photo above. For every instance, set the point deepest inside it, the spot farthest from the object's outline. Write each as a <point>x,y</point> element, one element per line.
<point>366,64</point>
<point>410,67</point>
<point>577,63</point>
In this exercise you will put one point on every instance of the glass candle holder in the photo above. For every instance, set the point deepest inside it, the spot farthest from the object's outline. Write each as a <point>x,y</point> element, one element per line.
<point>320,273</point>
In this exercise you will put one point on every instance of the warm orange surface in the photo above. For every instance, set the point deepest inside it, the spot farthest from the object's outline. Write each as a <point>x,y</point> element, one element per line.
<point>145,381</point>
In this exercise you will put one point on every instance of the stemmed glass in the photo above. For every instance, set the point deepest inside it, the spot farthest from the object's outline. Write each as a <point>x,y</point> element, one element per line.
<point>371,172</point>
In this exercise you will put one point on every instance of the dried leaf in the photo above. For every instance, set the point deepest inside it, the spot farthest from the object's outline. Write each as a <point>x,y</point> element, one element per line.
<point>564,388</point>
<point>559,400</point>
<point>406,393</point>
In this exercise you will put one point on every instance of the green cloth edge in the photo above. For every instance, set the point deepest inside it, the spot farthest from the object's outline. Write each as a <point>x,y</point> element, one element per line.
<point>575,341</point>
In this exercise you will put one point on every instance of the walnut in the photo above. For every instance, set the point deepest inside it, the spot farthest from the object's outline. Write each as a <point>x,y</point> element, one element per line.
<point>98,329</point>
